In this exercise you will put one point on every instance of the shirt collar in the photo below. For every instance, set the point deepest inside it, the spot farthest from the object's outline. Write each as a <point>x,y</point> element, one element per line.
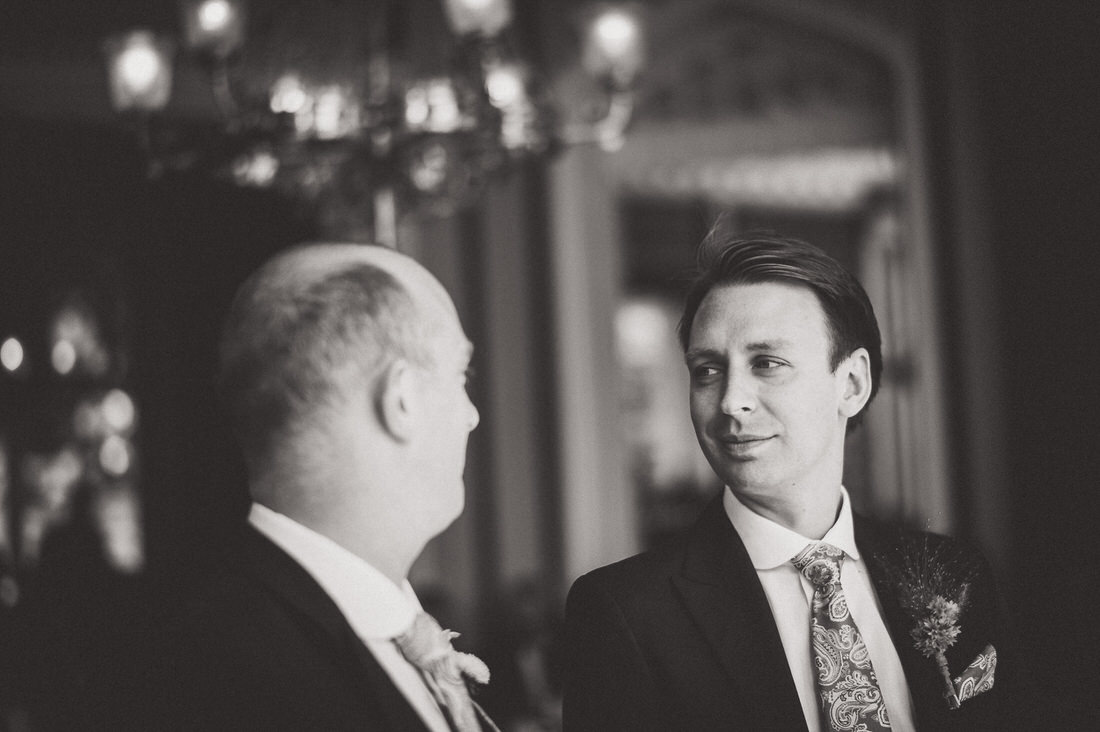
<point>373,605</point>
<point>770,545</point>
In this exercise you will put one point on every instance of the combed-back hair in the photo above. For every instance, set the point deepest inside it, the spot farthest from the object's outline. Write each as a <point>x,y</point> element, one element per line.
<point>285,342</point>
<point>725,258</point>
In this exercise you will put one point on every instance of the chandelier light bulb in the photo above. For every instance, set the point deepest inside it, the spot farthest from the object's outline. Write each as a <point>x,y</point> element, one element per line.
<point>256,168</point>
<point>613,46</point>
<point>416,107</point>
<point>213,27</point>
<point>445,114</point>
<point>114,456</point>
<point>433,106</point>
<point>140,71</point>
<point>116,512</point>
<point>63,357</point>
<point>11,354</point>
<point>118,410</point>
<point>215,15</point>
<point>616,32</point>
<point>335,113</point>
<point>288,95</point>
<point>505,85</point>
<point>328,113</point>
<point>486,18</point>
<point>139,67</point>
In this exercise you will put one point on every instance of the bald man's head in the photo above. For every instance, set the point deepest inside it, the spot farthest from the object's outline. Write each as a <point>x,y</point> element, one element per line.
<point>312,318</point>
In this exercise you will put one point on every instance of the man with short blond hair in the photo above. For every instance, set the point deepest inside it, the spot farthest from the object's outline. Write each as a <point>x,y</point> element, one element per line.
<point>343,369</point>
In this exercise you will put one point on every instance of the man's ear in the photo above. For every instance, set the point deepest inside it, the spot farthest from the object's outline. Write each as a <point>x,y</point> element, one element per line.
<point>395,399</point>
<point>856,373</point>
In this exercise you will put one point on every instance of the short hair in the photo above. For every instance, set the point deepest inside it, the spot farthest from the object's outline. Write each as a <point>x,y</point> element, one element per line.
<point>726,259</point>
<point>286,340</point>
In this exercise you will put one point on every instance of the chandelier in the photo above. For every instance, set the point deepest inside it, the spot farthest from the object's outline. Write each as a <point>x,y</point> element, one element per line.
<point>376,134</point>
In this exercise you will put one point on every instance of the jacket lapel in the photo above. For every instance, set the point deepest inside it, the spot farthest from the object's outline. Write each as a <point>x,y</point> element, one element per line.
<point>921,674</point>
<point>720,590</point>
<point>297,589</point>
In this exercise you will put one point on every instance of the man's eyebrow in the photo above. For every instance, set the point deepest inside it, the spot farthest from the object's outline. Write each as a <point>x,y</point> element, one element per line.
<point>695,354</point>
<point>775,345</point>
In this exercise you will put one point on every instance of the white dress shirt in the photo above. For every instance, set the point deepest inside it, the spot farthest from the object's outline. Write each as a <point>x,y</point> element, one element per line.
<point>790,595</point>
<point>375,608</point>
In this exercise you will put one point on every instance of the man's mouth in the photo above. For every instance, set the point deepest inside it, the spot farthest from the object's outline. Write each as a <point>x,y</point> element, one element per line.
<point>743,446</point>
<point>744,439</point>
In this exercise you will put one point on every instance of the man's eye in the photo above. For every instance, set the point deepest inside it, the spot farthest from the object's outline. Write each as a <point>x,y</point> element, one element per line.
<point>767,363</point>
<point>705,372</point>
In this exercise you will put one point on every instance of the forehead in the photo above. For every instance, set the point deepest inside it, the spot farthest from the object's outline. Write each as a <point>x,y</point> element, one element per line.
<point>446,337</point>
<point>748,314</point>
<point>438,314</point>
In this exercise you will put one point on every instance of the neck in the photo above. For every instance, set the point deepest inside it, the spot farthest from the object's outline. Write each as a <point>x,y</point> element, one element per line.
<point>811,521</point>
<point>335,496</point>
<point>391,558</point>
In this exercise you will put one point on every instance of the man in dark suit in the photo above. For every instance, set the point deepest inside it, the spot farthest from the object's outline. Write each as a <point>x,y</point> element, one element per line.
<point>343,368</point>
<point>781,609</point>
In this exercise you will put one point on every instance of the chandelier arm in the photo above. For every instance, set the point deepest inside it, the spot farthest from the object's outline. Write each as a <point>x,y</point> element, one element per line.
<point>143,128</point>
<point>222,88</point>
<point>609,131</point>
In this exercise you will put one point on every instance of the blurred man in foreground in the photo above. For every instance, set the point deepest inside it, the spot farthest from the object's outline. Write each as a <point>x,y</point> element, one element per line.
<point>343,368</point>
<point>781,609</point>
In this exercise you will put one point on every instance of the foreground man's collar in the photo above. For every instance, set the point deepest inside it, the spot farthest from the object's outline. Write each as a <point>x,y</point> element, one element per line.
<point>374,606</point>
<point>770,545</point>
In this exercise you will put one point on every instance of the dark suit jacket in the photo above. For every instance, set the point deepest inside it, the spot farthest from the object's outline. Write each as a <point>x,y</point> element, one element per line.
<point>258,645</point>
<point>684,639</point>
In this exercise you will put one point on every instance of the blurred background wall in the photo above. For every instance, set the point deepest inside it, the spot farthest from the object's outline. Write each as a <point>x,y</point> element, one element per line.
<point>945,151</point>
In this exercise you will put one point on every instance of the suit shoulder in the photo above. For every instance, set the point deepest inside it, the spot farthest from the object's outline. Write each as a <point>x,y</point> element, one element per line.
<point>641,573</point>
<point>895,541</point>
<point>218,615</point>
<point>914,555</point>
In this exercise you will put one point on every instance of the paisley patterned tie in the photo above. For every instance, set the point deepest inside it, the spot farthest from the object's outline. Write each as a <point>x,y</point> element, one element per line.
<point>846,682</point>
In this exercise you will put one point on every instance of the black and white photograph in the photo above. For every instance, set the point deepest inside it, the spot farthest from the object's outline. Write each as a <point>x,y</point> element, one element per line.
<point>549,365</point>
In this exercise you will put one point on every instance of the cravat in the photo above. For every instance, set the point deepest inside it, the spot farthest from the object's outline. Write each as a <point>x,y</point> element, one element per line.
<point>846,682</point>
<point>428,647</point>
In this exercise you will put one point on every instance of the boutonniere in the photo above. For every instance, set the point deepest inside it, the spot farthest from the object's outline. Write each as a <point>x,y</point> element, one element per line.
<point>932,584</point>
<point>428,646</point>
<point>452,673</point>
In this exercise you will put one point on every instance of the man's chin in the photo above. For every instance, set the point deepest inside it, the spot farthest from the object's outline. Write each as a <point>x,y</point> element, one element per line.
<point>741,475</point>
<point>732,466</point>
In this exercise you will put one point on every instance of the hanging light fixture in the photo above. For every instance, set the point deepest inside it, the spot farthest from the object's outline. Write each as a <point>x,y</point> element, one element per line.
<point>213,27</point>
<point>139,67</point>
<point>422,140</point>
<point>484,18</point>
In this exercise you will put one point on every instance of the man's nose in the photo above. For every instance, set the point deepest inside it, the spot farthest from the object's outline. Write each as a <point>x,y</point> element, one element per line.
<point>474,418</point>
<point>739,396</point>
